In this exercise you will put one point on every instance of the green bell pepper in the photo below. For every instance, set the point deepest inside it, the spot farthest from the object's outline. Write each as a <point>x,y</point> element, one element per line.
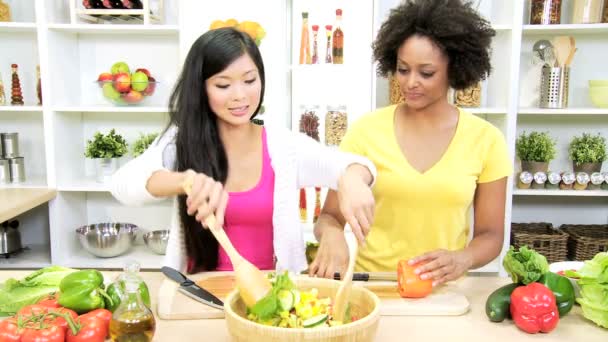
<point>83,291</point>
<point>83,277</point>
<point>116,292</point>
<point>562,289</point>
<point>82,298</point>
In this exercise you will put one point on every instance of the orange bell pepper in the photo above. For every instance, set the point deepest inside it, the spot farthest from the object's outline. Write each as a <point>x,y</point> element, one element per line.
<point>409,283</point>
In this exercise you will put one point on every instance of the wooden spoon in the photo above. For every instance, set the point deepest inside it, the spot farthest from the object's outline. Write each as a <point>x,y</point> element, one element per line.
<point>573,49</point>
<point>343,293</point>
<point>561,44</point>
<point>253,285</point>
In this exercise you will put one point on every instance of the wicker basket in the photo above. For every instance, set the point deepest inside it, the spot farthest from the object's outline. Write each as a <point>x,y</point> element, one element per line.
<point>586,240</point>
<point>365,304</point>
<point>540,236</point>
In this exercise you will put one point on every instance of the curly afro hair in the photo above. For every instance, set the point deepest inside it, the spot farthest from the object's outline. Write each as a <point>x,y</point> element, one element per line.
<point>455,27</point>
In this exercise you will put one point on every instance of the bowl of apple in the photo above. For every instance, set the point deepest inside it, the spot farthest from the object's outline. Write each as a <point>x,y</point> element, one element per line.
<point>124,87</point>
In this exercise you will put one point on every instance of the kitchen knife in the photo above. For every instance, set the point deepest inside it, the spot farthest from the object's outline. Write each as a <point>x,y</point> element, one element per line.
<point>190,289</point>
<point>367,276</point>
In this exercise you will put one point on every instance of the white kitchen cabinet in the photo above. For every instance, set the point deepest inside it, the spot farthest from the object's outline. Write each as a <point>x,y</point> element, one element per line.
<point>71,55</point>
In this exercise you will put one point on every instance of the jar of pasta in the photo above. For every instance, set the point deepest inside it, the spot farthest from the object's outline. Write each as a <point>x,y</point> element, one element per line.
<point>468,97</point>
<point>545,12</point>
<point>336,122</point>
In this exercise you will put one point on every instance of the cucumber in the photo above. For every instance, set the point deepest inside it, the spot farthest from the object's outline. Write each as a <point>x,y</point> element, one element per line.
<point>314,321</point>
<point>499,302</point>
<point>286,300</point>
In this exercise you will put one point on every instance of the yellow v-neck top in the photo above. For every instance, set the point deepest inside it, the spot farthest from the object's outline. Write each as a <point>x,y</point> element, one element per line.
<point>419,212</point>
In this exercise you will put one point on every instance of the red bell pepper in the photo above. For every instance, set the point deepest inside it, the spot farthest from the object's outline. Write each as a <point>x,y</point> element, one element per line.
<point>534,309</point>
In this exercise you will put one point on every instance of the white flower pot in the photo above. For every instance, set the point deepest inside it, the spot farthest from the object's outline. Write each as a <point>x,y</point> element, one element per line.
<point>105,168</point>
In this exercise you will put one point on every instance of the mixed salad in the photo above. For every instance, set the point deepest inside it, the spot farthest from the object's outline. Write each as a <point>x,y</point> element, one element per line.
<point>288,307</point>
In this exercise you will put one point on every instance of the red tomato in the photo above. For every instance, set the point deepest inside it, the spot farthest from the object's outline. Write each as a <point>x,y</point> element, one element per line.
<point>60,321</point>
<point>51,333</point>
<point>32,310</point>
<point>409,283</point>
<point>102,315</point>
<point>92,329</point>
<point>9,331</point>
<point>50,300</point>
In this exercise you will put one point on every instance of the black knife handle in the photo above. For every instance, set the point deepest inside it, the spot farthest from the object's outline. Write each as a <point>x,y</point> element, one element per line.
<point>356,276</point>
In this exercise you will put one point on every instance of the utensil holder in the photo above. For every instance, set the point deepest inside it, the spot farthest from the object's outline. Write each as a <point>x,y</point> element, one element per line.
<point>554,87</point>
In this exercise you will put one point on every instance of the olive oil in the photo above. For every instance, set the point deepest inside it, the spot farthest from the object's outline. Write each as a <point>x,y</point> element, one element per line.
<point>132,321</point>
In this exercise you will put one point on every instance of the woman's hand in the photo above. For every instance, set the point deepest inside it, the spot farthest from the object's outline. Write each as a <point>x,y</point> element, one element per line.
<point>356,200</point>
<point>442,265</point>
<point>332,255</point>
<point>206,196</point>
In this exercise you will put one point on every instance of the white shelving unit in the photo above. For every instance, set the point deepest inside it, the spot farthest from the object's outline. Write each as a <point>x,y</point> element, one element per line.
<point>71,55</point>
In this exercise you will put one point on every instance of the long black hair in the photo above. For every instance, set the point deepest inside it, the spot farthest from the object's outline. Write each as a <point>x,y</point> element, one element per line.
<point>198,144</point>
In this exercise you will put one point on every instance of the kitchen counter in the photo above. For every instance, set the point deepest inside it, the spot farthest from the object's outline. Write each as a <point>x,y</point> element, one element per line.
<point>473,326</point>
<point>15,201</point>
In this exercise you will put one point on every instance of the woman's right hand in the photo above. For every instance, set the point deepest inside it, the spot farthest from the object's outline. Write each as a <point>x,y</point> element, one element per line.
<point>206,196</point>
<point>332,255</point>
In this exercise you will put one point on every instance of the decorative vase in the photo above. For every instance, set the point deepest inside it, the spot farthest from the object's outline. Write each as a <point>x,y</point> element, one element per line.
<point>534,167</point>
<point>105,168</point>
<point>588,168</point>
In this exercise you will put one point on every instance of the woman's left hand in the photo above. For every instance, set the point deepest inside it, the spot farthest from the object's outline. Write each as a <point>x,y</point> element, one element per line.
<point>356,200</point>
<point>442,265</point>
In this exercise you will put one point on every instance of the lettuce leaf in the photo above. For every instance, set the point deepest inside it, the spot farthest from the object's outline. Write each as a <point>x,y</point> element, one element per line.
<point>269,306</point>
<point>15,293</point>
<point>525,266</point>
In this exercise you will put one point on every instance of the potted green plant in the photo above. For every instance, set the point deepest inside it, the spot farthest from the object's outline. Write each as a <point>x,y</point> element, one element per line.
<point>142,143</point>
<point>587,152</point>
<point>535,150</point>
<point>105,151</point>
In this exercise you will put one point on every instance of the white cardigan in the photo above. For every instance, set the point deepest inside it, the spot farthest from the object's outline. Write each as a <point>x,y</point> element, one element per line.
<point>298,161</point>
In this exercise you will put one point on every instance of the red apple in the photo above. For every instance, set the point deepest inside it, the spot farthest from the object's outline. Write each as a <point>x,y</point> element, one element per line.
<point>104,77</point>
<point>145,71</point>
<point>122,82</point>
<point>133,96</point>
<point>151,86</point>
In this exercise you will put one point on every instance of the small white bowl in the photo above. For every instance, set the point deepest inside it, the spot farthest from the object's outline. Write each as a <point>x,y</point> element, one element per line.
<point>568,265</point>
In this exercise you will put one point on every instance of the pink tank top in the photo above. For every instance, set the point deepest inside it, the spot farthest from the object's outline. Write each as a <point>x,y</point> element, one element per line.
<point>248,220</point>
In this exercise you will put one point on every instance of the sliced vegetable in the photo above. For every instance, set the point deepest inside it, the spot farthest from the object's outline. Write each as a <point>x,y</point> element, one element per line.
<point>314,321</point>
<point>286,300</point>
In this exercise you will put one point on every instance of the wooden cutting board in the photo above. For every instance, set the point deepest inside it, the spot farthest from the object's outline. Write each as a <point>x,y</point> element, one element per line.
<point>444,301</point>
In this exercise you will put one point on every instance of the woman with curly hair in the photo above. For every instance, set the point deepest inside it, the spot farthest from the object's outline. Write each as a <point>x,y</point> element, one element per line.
<point>435,161</point>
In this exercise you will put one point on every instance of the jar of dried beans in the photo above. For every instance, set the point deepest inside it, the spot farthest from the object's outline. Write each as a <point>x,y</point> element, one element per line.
<point>336,122</point>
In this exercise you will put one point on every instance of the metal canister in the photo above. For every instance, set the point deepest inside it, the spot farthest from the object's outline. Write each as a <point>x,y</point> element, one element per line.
<point>605,174</point>
<point>582,181</point>
<point>568,179</point>
<point>10,145</point>
<point>17,169</point>
<point>525,179</point>
<point>553,180</point>
<point>596,181</point>
<point>5,172</point>
<point>539,180</point>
